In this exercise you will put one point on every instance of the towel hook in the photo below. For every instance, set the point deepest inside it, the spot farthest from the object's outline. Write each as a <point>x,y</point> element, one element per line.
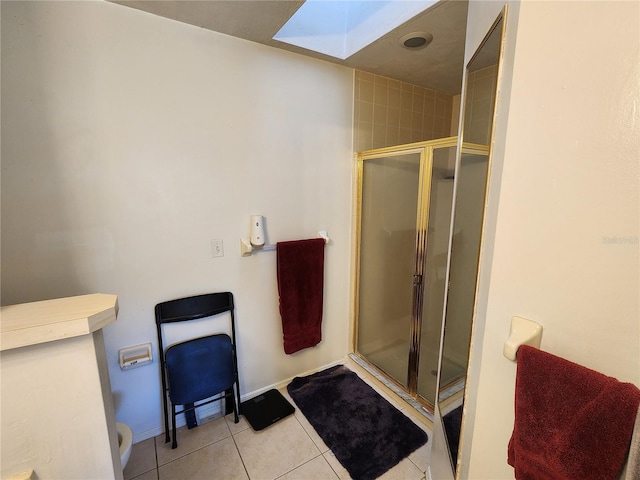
<point>523,332</point>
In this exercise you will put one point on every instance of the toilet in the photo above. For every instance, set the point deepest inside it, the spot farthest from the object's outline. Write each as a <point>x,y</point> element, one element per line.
<point>125,442</point>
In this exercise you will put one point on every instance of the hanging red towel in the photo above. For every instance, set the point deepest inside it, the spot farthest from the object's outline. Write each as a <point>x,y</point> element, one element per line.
<point>571,423</point>
<point>300,286</point>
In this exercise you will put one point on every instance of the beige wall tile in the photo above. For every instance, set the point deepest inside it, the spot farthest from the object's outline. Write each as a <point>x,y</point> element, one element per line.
<point>390,112</point>
<point>395,84</point>
<point>404,135</point>
<point>406,100</point>
<point>379,114</point>
<point>427,126</point>
<point>418,102</point>
<point>417,119</point>
<point>364,136</point>
<point>395,97</point>
<point>379,136</point>
<point>393,134</point>
<point>406,119</point>
<point>366,91</point>
<point>441,106</point>
<point>366,76</point>
<point>366,111</point>
<point>380,94</point>
<point>393,116</point>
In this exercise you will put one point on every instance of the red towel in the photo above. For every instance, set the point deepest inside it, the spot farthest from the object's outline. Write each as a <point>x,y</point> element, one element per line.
<point>570,422</point>
<point>300,286</point>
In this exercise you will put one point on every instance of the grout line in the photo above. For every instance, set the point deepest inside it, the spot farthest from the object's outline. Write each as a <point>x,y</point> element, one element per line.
<point>233,438</point>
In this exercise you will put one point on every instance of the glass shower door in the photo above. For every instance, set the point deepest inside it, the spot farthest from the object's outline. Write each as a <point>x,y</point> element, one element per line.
<point>440,207</point>
<point>388,234</point>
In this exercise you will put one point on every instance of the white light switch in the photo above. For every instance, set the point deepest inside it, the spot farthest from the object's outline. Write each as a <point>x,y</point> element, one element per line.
<point>217,249</point>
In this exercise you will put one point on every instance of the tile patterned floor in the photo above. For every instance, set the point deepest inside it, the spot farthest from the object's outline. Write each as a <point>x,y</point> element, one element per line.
<point>288,450</point>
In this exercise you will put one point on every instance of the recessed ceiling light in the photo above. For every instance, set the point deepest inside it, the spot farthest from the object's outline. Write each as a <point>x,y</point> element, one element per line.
<point>416,40</point>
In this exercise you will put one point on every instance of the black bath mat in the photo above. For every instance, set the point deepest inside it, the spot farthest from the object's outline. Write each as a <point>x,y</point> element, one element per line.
<point>364,431</point>
<point>266,409</point>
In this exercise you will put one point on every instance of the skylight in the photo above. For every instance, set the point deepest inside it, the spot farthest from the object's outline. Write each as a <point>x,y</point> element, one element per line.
<point>340,28</point>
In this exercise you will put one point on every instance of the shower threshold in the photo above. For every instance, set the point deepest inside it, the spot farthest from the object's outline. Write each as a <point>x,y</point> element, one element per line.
<point>415,404</point>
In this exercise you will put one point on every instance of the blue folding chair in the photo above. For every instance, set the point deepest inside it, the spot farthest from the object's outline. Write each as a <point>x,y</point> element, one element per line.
<point>202,370</point>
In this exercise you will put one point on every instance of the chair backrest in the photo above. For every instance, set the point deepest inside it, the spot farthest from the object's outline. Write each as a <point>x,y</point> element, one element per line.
<point>192,308</point>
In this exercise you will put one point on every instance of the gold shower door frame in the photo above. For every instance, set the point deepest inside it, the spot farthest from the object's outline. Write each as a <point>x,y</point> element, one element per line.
<point>426,152</point>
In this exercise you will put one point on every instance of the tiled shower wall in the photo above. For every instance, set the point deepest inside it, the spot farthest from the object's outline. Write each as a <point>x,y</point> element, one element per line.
<point>390,112</point>
<point>480,102</point>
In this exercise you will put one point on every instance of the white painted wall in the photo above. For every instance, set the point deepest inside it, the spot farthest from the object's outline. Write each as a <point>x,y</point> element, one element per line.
<point>131,141</point>
<point>563,215</point>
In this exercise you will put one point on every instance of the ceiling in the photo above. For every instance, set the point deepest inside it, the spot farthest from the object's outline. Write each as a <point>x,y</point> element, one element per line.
<point>438,66</point>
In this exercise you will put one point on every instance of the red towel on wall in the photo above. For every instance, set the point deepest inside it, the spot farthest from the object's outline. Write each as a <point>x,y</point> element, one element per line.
<point>570,422</point>
<point>300,286</point>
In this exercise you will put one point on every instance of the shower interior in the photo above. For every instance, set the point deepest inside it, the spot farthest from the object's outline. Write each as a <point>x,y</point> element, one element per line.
<point>404,226</point>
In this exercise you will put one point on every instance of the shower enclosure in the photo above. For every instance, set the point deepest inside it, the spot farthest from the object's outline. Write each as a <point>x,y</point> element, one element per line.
<point>404,212</point>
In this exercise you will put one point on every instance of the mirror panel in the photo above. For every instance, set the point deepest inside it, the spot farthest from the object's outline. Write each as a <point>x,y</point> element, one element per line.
<point>470,195</point>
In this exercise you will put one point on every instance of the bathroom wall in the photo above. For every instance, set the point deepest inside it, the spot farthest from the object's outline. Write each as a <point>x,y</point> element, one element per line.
<point>563,215</point>
<point>390,112</point>
<point>131,141</point>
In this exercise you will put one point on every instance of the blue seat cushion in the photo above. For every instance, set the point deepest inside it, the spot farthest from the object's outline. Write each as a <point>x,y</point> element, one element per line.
<point>199,368</point>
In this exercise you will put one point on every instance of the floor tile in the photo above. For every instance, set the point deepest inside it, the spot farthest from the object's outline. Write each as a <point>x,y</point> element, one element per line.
<point>191,440</point>
<point>142,459</point>
<point>316,469</point>
<point>422,456</point>
<point>276,450</point>
<point>337,467</point>
<point>219,460</point>
<point>236,427</point>
<point>405,470</point>
<point>317,440</point>
<point>150,475</point>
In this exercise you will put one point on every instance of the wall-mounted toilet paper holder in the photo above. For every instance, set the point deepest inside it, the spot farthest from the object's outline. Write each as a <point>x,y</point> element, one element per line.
<point>135,356</point>
<point>523,332</point>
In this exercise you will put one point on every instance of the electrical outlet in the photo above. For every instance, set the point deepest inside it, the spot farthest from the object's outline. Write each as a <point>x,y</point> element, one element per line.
<point>217,249</point>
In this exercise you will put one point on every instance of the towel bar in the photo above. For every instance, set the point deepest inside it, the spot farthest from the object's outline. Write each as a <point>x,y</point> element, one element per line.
<point>246,248</point>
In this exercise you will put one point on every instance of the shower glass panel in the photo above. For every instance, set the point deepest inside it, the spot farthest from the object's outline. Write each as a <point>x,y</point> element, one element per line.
<point>465,247</point>
<point>389,212</point>
<point>441,197</point>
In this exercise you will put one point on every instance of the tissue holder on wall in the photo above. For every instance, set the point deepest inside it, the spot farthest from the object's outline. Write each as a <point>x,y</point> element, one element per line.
<point>134,357</point>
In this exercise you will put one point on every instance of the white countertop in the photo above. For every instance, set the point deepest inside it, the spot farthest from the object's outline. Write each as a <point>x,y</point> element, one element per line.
<point>49,320</point>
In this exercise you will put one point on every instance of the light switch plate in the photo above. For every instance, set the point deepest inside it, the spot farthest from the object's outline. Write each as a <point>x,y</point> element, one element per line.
<point>217,248</point>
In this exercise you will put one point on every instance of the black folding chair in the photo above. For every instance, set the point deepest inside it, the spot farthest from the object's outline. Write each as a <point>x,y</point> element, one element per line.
<point>198,371</point>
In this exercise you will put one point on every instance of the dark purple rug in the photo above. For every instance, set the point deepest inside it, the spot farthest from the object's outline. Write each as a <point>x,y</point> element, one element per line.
<point>364,431</point>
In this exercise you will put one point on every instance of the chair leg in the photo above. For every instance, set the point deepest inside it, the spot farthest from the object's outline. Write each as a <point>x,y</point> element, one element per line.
<point>166,413</point>
<point>228,406</point>
<point>235,408</point>
<point>173,426</point>
<point>238,402</point>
